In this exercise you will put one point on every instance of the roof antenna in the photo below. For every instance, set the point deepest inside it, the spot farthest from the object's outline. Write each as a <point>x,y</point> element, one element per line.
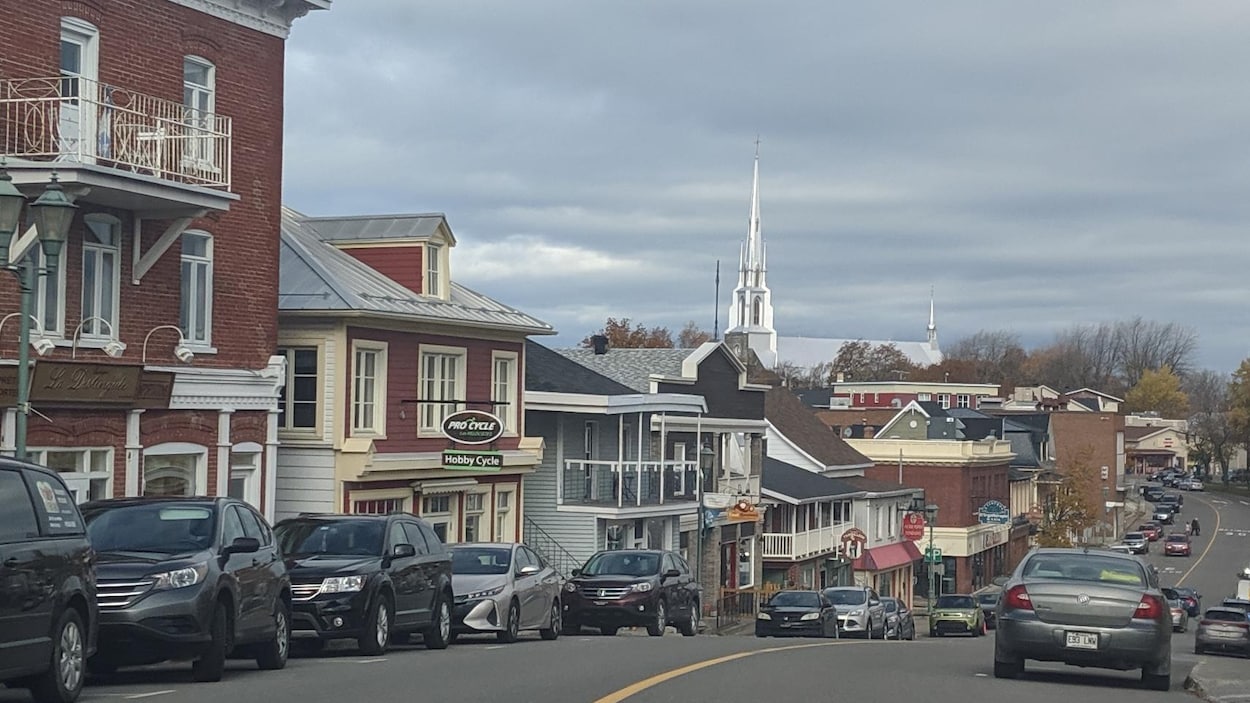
<point>716,313</point>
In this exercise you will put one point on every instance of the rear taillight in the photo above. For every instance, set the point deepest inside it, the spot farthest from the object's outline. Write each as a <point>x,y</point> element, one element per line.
<point>1017,597</point>
<point>1150,608</point>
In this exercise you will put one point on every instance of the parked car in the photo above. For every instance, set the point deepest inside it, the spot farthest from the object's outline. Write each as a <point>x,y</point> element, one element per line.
<point>1177,544</point>
<point>631,588</point>
<point>957,613</point>
<point>1137,542</point>
<point>187,578</point>
<point>989,604</point>
<point>899,621</point>
<point>372,578</point>
<point>48,612</point>
<point>799,613</point>
<point>1192,600</point>
<point>860,610</point>
<point>1223,629</point>
<point>504,588</point>
<point>1085,608</point>
<point>1152,530</point>
<point>1180,614</point>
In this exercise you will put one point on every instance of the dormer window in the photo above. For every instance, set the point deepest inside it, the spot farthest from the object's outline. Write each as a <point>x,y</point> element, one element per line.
<point>434,269</point>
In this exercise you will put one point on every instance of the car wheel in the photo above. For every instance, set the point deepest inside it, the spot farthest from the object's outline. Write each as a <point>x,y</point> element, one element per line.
<point>1155,682</point>
<point>63,679</point>
<point>438,634</point>
<point>690,626</point>
<point>1008,670</point>
<point>376,638</point>
<point>512,628</point>
<point>609,631</point>
<point>212,663</point>
<point>657,626</point>
<point>272,655</point>
<point>1198,649</point>
<point>868,629</point>
<point>911,634</point>
<point>554,626</point>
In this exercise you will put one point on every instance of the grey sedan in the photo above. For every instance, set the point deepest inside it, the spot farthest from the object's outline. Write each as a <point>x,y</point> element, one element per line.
<point>1085,607</point>
<point>504,588</point>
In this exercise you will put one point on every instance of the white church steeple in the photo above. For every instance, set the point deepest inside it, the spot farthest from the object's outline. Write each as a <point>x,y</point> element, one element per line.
<point>933,342</point>
<point>751,307</point>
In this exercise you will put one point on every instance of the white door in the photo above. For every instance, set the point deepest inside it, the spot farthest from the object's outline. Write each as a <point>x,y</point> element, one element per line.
<point>78,140</point>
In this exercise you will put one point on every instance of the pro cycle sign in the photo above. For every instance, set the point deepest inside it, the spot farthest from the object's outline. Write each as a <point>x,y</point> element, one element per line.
<point>472,427</point>
<point>472,461</point>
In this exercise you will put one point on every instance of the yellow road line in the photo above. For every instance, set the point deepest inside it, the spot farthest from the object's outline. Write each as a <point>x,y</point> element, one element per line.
<point>1214,536</point>
<point>640,686</point>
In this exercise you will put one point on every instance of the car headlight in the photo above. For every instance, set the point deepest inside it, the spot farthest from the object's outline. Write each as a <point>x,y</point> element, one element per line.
<point>764,616</point>
<point>484,594</point>
<point>570,587</point>
<point>343,584</point>
<point>856,613</point>
<point>180,578</point>
<point>811,616</point>
<point>641,587</point>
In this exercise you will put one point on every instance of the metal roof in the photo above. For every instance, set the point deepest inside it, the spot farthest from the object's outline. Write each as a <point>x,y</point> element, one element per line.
<point>315,276</point>
<point>368,227</point>
<point>631,367</point>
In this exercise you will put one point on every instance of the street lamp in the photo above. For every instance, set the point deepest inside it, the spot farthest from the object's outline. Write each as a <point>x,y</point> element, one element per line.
<point>182,352</point>
<point>114,348</point>
<point>53,212</point>
<point>930,514</point>
<point>43,345</point>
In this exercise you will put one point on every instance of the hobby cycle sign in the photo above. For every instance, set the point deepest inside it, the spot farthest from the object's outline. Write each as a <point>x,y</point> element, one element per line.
<point>472,427</point>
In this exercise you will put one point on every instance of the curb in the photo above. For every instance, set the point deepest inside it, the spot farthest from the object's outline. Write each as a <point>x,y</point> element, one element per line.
<point>1194,684</point>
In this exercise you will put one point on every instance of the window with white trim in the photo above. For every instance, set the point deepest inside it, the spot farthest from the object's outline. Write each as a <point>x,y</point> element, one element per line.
<point>369,388</point>
<point>944,401</point>
<point>299,398</point>
<point>503,520</point>
<point>963,400</point>
<point>434,269</point>
<point>381,501</point>
<point>244,481</point>
<point>199,97</point>
<point>175,469</point>
<point>437,510</point>
<point>474,509</point>
<point>504,389</point>
<point>196,316</point>
<point>49,296</point>
<point>442,380</point>
<point>88,472</point>
<point>101,276</point>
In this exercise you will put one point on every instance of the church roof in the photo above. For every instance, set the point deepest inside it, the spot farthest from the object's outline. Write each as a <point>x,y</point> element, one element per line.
<point>807,352</point>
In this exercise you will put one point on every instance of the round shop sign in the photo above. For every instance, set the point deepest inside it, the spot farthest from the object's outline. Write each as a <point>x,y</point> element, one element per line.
<point>472,427</point>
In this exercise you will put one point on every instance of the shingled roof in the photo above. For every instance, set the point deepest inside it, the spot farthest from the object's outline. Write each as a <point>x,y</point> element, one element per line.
<point>547,370</point>
<point>798,423</point>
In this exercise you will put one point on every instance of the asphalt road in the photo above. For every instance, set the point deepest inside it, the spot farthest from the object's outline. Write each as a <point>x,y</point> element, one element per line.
<point>639,669</point>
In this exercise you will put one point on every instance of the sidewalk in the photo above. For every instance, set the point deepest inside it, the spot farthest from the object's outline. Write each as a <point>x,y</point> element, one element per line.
<point>1219,679</point>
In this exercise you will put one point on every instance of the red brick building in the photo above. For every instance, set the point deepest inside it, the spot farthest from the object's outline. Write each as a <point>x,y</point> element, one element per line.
<point>162,119</point>
<point>1094,442</point>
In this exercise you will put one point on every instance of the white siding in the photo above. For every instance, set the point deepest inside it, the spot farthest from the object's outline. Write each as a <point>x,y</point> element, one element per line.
<point>575,532</point>
<point>779,448</point>
<point>329,392</point>
<point>305,481</point>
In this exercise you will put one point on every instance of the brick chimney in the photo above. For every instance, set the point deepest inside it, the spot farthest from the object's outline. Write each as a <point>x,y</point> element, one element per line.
<point>600,344</point>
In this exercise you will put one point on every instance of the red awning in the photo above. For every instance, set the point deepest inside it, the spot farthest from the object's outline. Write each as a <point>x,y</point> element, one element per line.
<point>891,556</point>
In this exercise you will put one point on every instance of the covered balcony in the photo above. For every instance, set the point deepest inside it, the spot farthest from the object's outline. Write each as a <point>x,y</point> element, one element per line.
<point>629,484</point>
<point>796,546</point>
<point>116,147</point>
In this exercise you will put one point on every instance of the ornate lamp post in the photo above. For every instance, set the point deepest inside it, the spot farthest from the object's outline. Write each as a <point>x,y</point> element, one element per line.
<point>930,514</point>
<point>53,212</point>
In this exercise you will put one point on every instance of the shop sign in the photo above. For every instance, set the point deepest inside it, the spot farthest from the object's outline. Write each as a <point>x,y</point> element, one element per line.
<point>155,390</point>
<point>913,527</point>
<point>472,427</point>
<point>8,386</point>
<point>472,461</point>
<point>719,501</point>
<point>71,384</point>
<point>742,511</point>
<point>993,512</point>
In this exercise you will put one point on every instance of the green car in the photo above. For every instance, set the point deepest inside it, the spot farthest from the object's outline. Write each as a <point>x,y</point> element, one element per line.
<point>956,613</point>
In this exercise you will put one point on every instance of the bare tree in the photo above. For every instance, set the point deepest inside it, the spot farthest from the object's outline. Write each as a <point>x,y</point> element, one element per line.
<point>1210,428</point>
<point>995,356</point>
<point>1146,345</point>
<point>1112,356</point>
<point>863,361</point>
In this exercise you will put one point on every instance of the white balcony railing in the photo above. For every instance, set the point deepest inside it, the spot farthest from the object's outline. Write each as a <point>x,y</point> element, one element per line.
<point>78,120</point>
<point>629,483</point>
<point>803,545</point>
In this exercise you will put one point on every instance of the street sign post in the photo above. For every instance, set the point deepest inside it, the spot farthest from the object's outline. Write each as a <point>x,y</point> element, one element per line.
<point>932,555</point>
<point>913,527</point>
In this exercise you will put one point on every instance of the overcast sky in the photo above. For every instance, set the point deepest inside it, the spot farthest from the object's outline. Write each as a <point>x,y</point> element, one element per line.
<point>1038,164</point>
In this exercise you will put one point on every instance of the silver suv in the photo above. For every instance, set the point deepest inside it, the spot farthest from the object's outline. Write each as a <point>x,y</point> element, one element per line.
<point>859,610</point>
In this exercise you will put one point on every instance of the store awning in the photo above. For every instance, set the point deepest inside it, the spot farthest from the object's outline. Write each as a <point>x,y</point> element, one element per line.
<point>454,485</point>
<point>891,556</point>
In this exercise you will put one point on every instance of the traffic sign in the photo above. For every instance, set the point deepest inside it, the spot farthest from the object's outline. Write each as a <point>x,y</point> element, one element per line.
<point>913,527</point>
<point>932,555</point>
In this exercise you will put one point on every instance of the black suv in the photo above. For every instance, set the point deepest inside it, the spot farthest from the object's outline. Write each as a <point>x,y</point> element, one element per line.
<point>631,588</point>
<point>372,578</point>
<point>48,614</point>
<point>187,578</point>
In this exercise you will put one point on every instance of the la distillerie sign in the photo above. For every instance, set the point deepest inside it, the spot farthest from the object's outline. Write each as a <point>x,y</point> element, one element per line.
<point>473,427</point>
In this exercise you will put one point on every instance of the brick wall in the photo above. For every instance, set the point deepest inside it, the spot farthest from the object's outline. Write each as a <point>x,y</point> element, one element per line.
<point>142,45</point>
<point>1090,438</point>
<point>402,264</point>
<point>958,491</point>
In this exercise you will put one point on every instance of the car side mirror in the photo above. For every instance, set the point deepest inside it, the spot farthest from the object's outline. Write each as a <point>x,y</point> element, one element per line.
<point>528,570</point>
<point>576,572</point>
<point>242,545</point>
<point>672,574</point>
<point>403,551</point>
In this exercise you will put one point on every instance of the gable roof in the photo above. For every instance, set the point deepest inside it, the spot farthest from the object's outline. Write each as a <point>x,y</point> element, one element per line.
<point>315,276</point>
<point>795,485</point>
<point>1136,434</point>
<point>1100,394</point>
<point>799,424</point>
<point>548,370</point>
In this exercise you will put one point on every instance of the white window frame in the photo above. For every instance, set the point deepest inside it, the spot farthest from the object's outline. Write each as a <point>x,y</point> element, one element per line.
<point>508,412</point>
<point>56,278</point>
<point>82,477</point>
<point>199,298</point>
<point>199,151</point>
<point>288,402</point>
<point>944,401</point>
<point>434,280</point>
<point>92,247</point>
<point>503,516</point>
<point>200,486</point>
<point>376,427</point>
<point>404,494</point>
<point>87,37</point>
<point>430,415</point>
<point>448,518</point>
<point>963,400</point>
<point>245,463</point>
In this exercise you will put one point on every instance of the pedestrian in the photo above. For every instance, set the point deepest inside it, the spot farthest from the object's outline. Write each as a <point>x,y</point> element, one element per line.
<point>1194,527</point>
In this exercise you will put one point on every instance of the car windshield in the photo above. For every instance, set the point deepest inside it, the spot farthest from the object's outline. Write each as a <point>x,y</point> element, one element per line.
<point>1177,538</point>
<point>1079,566</point>
<point>162,528</point>
<point>1146,528</point>
<point>890,604</point>
<point>331,537</point>
<point>852,596</point>
<point>1225,615</point>
<point>1135,536</point>
<point>1171,594</point>
<point>795,599</point>
<point>622,564</point>
<point>955,602</point>
<point>480,560</point>
<point>988,598</point>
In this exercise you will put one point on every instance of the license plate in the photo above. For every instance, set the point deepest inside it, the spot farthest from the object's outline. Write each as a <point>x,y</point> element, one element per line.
<point>601,602</point>
<point>1082,640</point>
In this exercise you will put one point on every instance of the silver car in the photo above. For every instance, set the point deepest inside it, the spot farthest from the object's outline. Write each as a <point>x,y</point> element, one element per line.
<point>860,610</point>
<point>1137,542</point>
<point>1085,607</point>
<point>504,588</point>
<point>1179,613</point>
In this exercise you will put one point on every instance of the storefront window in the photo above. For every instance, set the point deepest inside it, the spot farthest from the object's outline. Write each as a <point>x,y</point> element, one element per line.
<point>170,475</point>
<point>87,472</point>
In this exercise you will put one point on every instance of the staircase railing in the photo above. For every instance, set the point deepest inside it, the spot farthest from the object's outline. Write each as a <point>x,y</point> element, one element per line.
<point>556,555</point>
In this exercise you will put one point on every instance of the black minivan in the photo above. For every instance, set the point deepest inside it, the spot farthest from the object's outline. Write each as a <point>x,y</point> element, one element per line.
<point>48,614</point>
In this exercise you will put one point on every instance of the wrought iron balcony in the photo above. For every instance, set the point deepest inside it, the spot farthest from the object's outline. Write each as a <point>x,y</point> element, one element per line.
<point>75,120</point>
<point>628,484</point>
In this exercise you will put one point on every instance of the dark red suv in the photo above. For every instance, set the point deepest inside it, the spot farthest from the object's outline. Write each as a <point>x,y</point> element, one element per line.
<point>632,588</point>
